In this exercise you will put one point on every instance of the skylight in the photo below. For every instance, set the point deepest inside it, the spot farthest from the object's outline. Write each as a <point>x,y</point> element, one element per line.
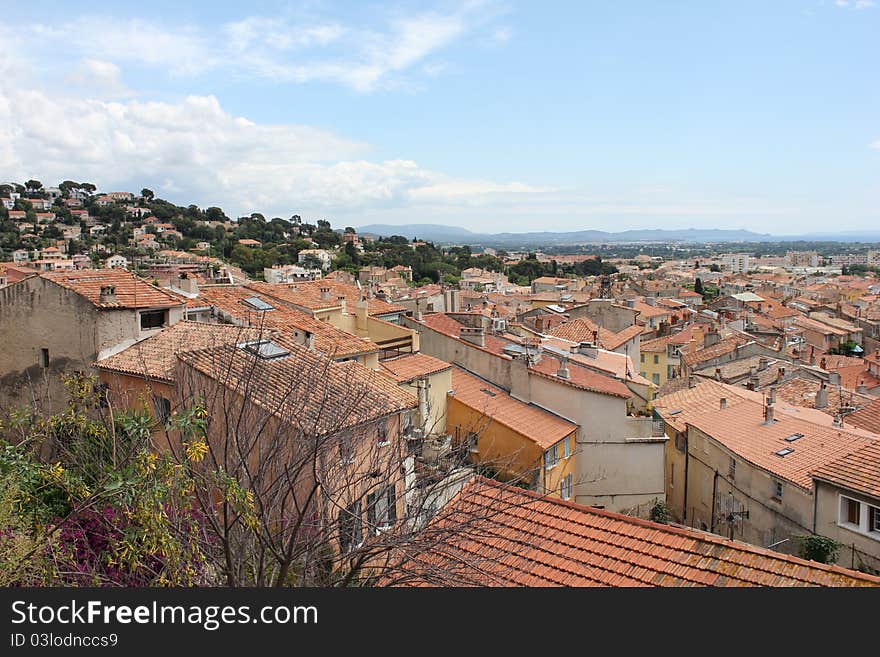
<point>265,349</point>
<point>793,437</point>
<point>258,304</point>
<point>487,391</point>
<point>785,451</point>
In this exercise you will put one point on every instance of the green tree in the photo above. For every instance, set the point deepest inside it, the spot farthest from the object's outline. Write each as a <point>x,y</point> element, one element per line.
<point>698,286</point>
<point>147,194</point>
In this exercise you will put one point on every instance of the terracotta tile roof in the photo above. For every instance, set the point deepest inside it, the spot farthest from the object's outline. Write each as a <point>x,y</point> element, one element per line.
<point>131,292</point>
<point>867,418</point>
<point>583,328</point>
<point>819,327</point>
<point>443,323</point>
<point>515,537</point>
<point>413,366</point>
<point>580,377</point>
<point>801,391</point>
<point>859,471</point>
<point>742,430</point>
<point>156,357</point>
<point>541,426</point>
<point>329,339</point>
<point>678,407</point>
<point>314,394</point>
<point>308,295</point>
<point>720,348</point>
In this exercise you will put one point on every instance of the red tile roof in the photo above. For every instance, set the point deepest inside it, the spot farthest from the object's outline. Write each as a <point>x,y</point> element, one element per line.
<point>859,471</point>
<point>314,394</point>
<point>501,535</point>
<point>867,418</point>
<point>413,366</point>
<point>156,357</point>
<point>131,292</point>
<point>307,294</point>
<point>536,424</point>
<point>328,339</point>
<point>742,430</point>
<point>580,377</point>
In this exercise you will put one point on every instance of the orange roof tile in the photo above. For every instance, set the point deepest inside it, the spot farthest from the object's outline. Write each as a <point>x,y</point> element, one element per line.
<point>328,339</point>
<point>742,430</point>
<point>859,471</point>
<point>867,418</point>
<point>156,357</point>
<point>677,408</point>
<point>413,366</point>
<point>536,424</point>
<point>307,294</point>
<point>515,537</point>
<point>131,292</point>
<point>316,395</point>
<point>580,377</point>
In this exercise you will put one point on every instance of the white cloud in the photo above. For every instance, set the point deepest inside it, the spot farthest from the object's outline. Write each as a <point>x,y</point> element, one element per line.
<point>361,57</point>
<point>198,152</point>
<point>99,77</point>
<point>854,4</point>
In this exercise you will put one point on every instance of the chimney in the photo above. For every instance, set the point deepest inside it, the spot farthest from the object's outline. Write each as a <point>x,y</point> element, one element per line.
<point>771,395</point>
<point>475,336</point>
<point>717,373</point>
<point>834,378</point>
<point>588,349</point>
<point>823,363</point>
<point>768,414</point>
<point>563,372</point>
<point>325,293</point>
<point>822,396</point>
<point>862,389</point>
<point>107,294</point>
<point>711,338</point>
<point>762,363</point>
<point>722,403</point>
<point>361,313</point>
<point>630,303</point>
<point>310,340</point>
<point>651,301</point>
<point>342,302</point>
<point>187,284</point>
<point>838,420</point>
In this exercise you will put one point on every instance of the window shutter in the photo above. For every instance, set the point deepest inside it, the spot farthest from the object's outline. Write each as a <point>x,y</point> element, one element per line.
<point>392,505</point>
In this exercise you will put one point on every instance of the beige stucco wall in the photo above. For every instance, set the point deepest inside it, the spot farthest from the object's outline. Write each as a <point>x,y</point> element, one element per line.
<point>867,546</point>
<point>769,520</point>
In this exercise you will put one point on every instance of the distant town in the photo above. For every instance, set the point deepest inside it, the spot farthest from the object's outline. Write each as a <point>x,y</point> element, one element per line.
<point>206,400</point>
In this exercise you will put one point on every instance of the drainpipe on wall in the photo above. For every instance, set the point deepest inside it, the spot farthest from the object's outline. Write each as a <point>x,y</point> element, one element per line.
<point>687,455</point>
<point>714,487</point>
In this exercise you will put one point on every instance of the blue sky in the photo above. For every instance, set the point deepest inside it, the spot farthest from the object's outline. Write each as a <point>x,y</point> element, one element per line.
<point>496,116</point>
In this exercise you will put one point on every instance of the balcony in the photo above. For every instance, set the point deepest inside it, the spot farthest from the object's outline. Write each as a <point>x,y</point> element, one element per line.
<point>641,428</point>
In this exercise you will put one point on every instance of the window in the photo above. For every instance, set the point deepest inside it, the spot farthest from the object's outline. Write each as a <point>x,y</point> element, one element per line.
<point>162,407</point>
<point>656,359</point>
<point>350,529</point>
<point>643,358</point>
<point>565,487</point>
<point>655,378</point>
<point>152,319</point>
<point>382,508</point>
<point>472,442</point>
<point>777,490</point>
<point>852,511</point>
<point>566,447</point>
<point>383,434</point>
<point>874,522</point>
<point>45,354</point>
<point>551,457</point>
<point>731,470</point>
<point>672,475</point>
<point>346,449</point>
<point>680,442</point>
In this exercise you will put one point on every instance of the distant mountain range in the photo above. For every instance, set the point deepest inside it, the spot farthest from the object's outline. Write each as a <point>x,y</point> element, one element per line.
<point>456,235</point>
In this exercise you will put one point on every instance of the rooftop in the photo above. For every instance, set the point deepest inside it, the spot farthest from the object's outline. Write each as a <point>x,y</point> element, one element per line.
<point>130,291</point>
<point>413,366</point>
<point>541,426</point>
<point>523,539</point>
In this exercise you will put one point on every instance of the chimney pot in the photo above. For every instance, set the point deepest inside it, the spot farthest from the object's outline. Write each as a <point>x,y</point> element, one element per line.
<point>768,414</point>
